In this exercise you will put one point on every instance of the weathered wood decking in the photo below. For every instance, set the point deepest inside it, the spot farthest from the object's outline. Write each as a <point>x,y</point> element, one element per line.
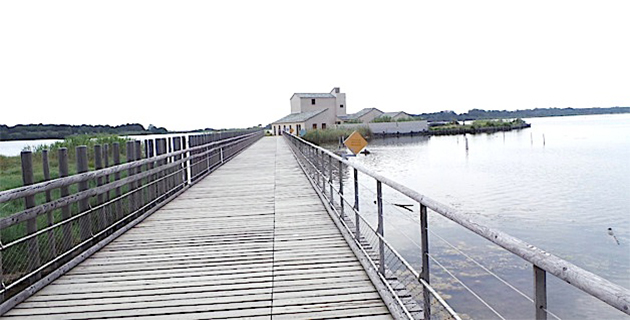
<point>251,240</point>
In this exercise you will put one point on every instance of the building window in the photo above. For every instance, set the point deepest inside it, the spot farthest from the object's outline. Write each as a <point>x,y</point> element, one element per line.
<point>337,122</point>
<point>323,126</point>
<point>341,106</point>
<point>312,101</point>
<point>314,126</point>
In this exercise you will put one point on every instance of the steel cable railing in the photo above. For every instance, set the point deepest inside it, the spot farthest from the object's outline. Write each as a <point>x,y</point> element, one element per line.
<point>326,170</point>
<point>414,296</point>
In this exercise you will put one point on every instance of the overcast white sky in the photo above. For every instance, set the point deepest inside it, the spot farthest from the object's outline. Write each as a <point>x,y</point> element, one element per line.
<point>196,64</point>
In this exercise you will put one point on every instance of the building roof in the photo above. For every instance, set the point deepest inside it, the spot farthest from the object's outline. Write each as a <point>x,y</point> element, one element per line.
<point>359,114</point>
<point>300,116</point>
<point>393,114</point>
<point>314,95</point>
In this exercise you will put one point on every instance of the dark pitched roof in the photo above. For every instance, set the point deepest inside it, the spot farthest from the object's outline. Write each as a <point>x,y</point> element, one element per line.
<point>300,117</point>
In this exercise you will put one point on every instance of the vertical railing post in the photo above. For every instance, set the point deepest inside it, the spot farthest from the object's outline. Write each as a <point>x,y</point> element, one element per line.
<point>98,164</point>
<point>85,225</point>
<point>160,150</point>
<point>424,273</point>
<point>356,205</point>
<point>177,145</point>
<point>321,170</point>
<point>50,219</point>
<point>330,180</point>
<point>148,147</point>
<point>116,155</point>
<point>540,293</point>
<point>67,239</point>
<point>108,208</point>
<point>341,189</point>
<point>31,224</point>
<point>140,192</point>
<point>187,163</point>
<point>131,197</point>
<point>380,230</point>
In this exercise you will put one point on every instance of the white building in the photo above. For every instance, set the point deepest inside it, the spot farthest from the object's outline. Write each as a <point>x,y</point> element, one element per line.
<point>312,111</point>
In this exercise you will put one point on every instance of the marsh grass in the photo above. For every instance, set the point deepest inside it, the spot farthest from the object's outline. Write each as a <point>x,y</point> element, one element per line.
<point>15,259</point>
<point>332,135</point>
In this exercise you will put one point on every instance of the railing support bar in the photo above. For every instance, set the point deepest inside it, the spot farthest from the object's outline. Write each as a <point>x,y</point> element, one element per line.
<point>356,205</point>
<point>540,293</point>
<point>343,216</point>
<point>424,273</point>
<point>380,230</point>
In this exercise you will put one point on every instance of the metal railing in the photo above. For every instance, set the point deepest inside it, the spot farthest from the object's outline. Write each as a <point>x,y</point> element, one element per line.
<point>414,293</point>
<point>81,213</point>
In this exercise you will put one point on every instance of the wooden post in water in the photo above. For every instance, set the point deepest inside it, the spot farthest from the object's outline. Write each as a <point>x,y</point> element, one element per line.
<point>31,224</point>
<point>119,208</point>
<point>67,238</point>
<point>50,219</point>
<point>424,273</point>
<point>380,229</point>
<point>540,293</point>
<point>84,205</point>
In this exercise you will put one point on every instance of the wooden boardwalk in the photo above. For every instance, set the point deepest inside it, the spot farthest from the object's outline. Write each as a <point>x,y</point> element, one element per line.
<point>251,240</point>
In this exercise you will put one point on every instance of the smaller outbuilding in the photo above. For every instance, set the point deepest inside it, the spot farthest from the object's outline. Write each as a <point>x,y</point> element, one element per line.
<point>395,116</point>
<point>365,115</point>
<point>295,122</point>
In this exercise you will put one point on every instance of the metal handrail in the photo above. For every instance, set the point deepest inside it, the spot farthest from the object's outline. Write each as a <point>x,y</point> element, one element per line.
<point>596,286</point>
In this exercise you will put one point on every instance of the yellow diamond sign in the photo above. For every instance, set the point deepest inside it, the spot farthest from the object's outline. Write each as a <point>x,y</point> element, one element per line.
<point>355,142</point>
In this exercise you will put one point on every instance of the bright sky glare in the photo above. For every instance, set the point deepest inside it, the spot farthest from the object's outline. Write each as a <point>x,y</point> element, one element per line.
<point>221,64</point>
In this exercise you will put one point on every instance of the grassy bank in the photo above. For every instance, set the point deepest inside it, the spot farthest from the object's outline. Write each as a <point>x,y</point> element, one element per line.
<point>11,167</point>
<point>479,126</point>
<point>332,135</point>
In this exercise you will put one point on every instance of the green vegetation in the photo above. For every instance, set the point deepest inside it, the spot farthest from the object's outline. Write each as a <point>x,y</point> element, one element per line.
<point>351,121</point>
<point>481,125</point>
<point>332,135</point>
<point>475,114</point>
<point>61,131</point>
<point>390,119</point>
<point>383,119</point>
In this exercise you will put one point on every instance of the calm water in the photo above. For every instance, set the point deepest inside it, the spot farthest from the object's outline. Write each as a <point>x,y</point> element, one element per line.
<point>13,148</point>
<point>560,194</point>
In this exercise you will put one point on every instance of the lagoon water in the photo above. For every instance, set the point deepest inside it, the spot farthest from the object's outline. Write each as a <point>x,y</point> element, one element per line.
<point>560,193</point>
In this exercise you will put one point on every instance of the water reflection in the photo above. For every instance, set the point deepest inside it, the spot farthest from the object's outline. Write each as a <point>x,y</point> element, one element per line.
<point>561,195</point>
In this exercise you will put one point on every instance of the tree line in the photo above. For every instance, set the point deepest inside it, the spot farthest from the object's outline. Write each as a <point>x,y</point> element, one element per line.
<point>61,131</point>
<point>476,114</point>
